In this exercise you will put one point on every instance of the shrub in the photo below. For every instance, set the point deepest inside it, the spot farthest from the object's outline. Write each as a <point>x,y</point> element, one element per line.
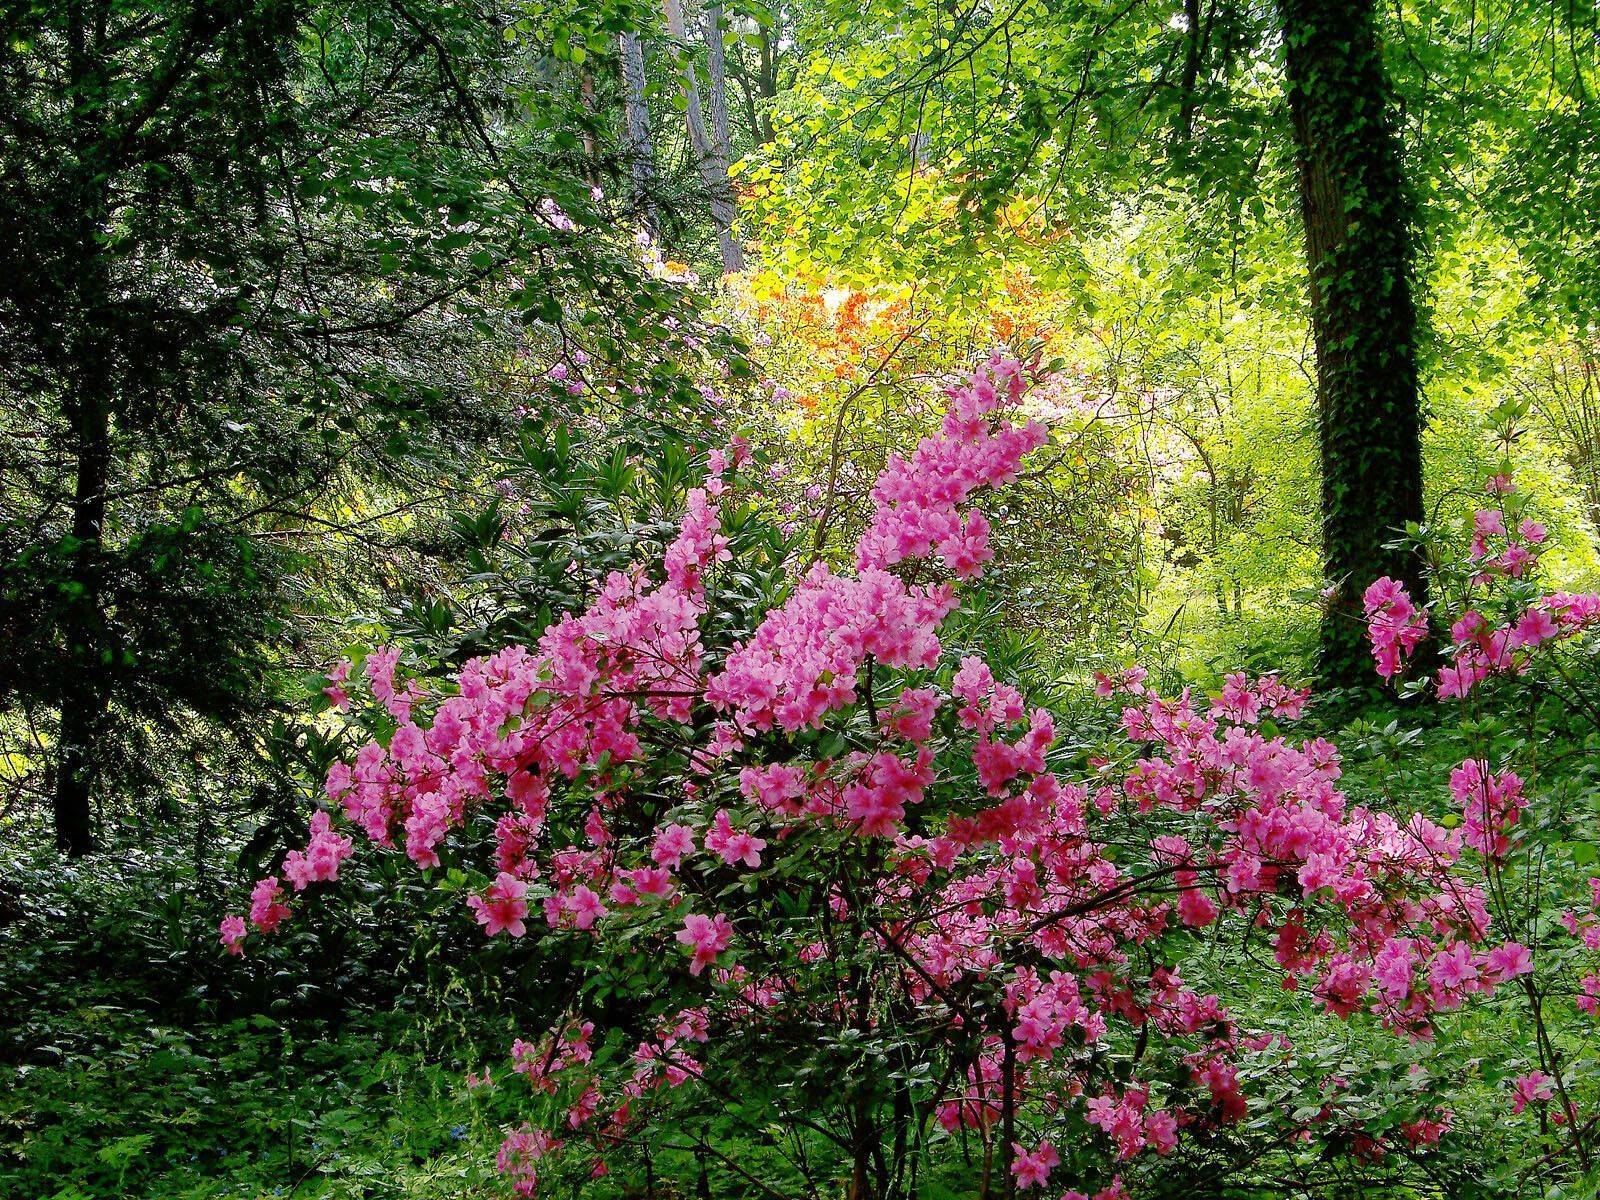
<point>833,894</point>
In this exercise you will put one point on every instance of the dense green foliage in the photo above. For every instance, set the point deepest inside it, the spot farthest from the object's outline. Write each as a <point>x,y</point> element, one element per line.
<point>273,276</point>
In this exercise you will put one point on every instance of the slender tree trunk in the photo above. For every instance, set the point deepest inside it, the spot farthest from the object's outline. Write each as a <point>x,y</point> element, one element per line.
<point>699,142</point>
<point>1358,232</point>
<point>741,72</point>
<point>636,110</point>
<point>721,144</point>
<point>84,691</point>
<point>591,110</point>
<point>863,1132</point>
<point>767,80</point>
<point>83,696</point>
<point>712,173</point>
<point>1008,1113</point>
<point>1193,49</point>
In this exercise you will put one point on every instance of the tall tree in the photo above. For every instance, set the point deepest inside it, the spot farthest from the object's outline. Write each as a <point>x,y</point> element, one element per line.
<point>1360,271</point>
<point>637,146</point>
<point>722,205</point>
<point>260,262</point>
<point>713,169</point>
<point>119,308</point>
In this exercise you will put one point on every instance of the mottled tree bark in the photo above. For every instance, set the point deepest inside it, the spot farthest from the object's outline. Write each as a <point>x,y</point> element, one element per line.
<point>712,173</point>
<point>721,145</point>
<point>638,147</point>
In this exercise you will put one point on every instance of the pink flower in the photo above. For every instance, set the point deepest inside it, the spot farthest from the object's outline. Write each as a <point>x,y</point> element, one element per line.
<point>1486,523</point>
<point>319,861</point>
<point>519,1152</point>
<point>672,843</point>
<point>584,906</point>
<point>1427,1131</point>
<point>1032,1169</point>
<point>267,909</point>
<point>1490,805</point>
<point>708,936</point>
<point>1532,1088</point>
<point>732,845</point>
<point>1535,626</point>
<point>1588,1001</point>
<point>380,669</point>
<point>1394,624</point>
<point>1319,871</point>
<point>1195,906</point>
<point>1509,960</point>
<point>503,906</point>
<point>1458,681</point>
<point>335,691</point>
<point>233,932</point>
<point>655,882</point>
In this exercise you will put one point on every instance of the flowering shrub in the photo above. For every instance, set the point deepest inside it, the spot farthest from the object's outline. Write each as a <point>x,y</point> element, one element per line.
<point>837,853</point>
<point>1516,664</point>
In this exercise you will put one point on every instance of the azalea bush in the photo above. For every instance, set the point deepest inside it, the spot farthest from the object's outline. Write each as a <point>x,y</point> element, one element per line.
<point>834,889</point>
<point>1515,666</point>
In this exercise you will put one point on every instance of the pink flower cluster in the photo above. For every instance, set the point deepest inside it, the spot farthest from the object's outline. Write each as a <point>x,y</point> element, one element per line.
<point>1395,626</point>
<point>918,504</point>
<point>1502,551</point>
<point>1585,927</point>
<point>1490,805</point>
<point>707,937</point>
<point>1502,548</point>
<point>319,861</point>
<point>1531,1088</point>
<point>503,906</point>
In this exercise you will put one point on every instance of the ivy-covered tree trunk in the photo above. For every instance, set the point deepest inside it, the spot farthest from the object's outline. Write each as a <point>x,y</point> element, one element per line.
<point>1358,231</point>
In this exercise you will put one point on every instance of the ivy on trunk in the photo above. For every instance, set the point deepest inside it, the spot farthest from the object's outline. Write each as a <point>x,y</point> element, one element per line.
<point>1358,235</point>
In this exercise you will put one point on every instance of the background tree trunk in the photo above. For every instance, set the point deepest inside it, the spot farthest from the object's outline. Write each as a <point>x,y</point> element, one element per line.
<point>713,174</point>
<point>637,145</point>
<point>88,408</point>
<point>83,696</point>
<point>721,144</point>
<point>591,112</point>
<point>1358,231</point>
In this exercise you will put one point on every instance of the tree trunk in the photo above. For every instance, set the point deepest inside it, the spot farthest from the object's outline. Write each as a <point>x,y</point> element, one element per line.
<point>721,144</point>
<point>1008,1112</point>
<point>591,110</point>
<point>1358,232</point>
<point>1193,51</point>
<point>641,155</point>
<point>713,173</point>
<point>84,692</point>
<point>83,696</point>
<point>767,73</point>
